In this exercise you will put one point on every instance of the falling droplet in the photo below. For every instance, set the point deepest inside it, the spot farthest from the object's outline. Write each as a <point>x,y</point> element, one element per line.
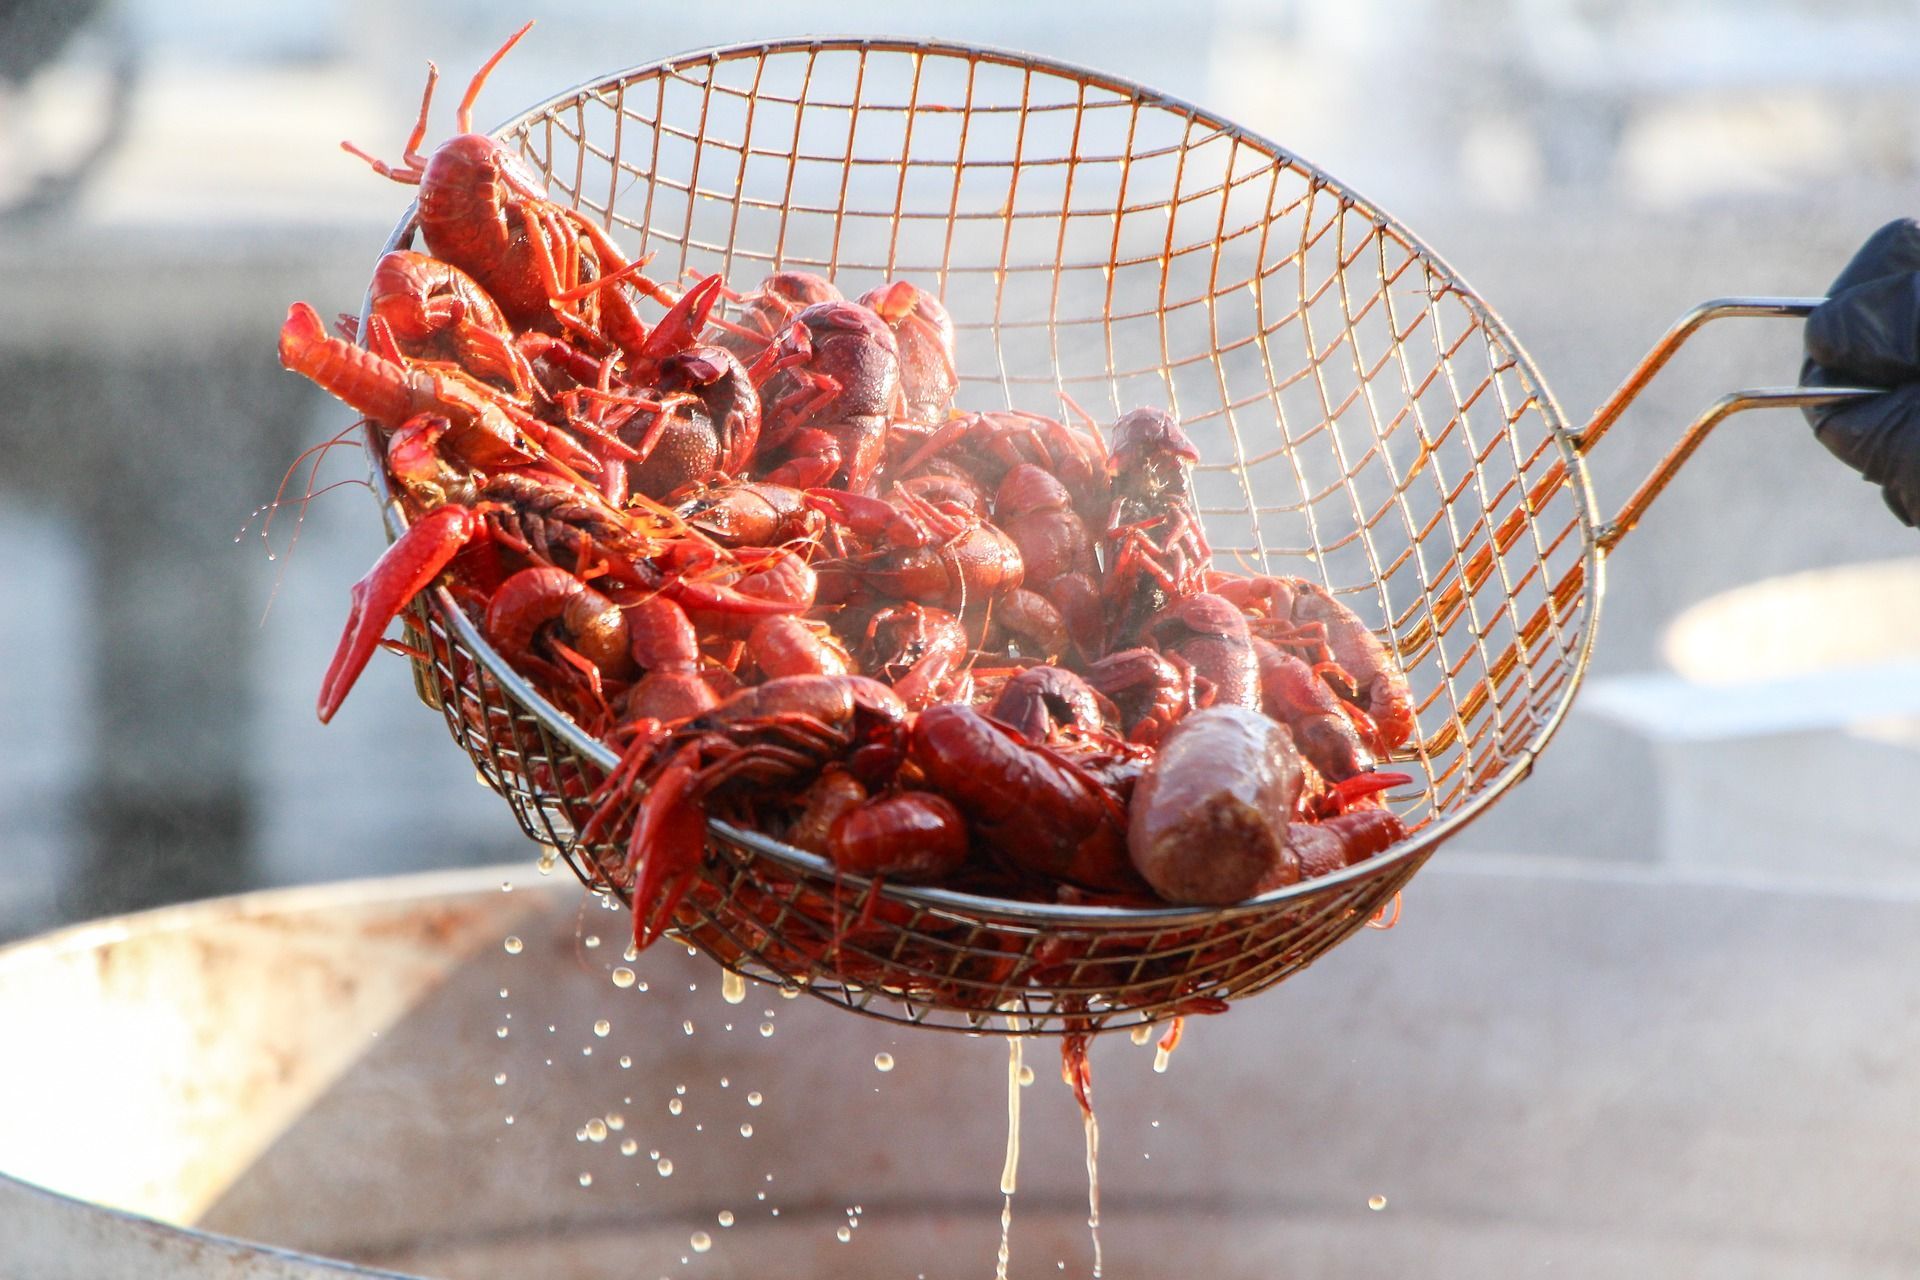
<point>1142,1033</point>
<point>1377,1203</point>
<point>883,1061</point>
<point>623,977</point>
<point>724,1082</point>
<point>628,1147</point>
<point>506,886</point>
<point>789,993</point>
<point>766,1028</point>
<point>602,1028</point>
<point>674,1106</point>
<point>513,945</point>
<point>596,1130</point>
<point>1161,1057</point>
<point>500,1077</point>
<point>733,987</point>
<point>726,1217</point>
<point>843,1235</point>
<point>501,1032</point>
<point>746,1131</point>
<point>591,941</point>
<point>1026,1075</point>
<point>754,1099</point>
<point>687,1026</point>
<point>631,954</point>
<point>626,1063</point>
<point>680,1089</point>
<point>586,1179</point>
<point>616,1121</point>
<point>665,1166</point>
<point>701,1242</point>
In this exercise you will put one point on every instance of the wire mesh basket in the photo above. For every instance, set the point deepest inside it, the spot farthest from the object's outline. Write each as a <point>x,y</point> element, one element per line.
<point>1364,420</point>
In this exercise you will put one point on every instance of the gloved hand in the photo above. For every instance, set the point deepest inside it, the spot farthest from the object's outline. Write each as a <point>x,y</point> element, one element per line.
<point>1867,333</point>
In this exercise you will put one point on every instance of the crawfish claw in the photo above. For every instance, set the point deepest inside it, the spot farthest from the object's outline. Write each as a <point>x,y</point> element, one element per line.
<point>401,573</point>
<point>668,837</point>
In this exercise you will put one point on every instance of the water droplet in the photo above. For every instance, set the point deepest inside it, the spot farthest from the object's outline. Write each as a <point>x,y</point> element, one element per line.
<point>626,1063</point>
<point>591,941</point>
<point>1156,1124</point>
<point>726,1217</point>
<point>506,886</point>
<point>1161,1057</point>
<point>500,1077</point>
<point>746,1131</point>
<point>1377,1203</point>
<point>580,1134</point>
<point>843,1235</point>
<point>759,1195</point>
<point>680,1089</point>
<point>596,1130</point>
<point>548,855</point>
<point>774,1212</point>
<point>665,1166</point>
<point>640,986</point>
<point>586,1179</point>
<point>628,1147</point>
<point>724,1082</point>
<point>503,993</point>
<point>766,1028</point>
<point>733,987</point>
<point>701,1242</point>
<point>883,1061</point>
<point>631,954</point>
<point>754,1099</point>
<point>1142,1033</point>
<point>586,1051</point>
<point>513,945</point>
<point>478,776</point>
<point>674,1106</point>
<point>789,993</point>
<point>623,977</point>
<point>602,1027</point>
<point>616,1121</point>
<point>501,1032</point>
<point>687,1026</point>
<point>509,1119</point>
<point>1026,1075</point>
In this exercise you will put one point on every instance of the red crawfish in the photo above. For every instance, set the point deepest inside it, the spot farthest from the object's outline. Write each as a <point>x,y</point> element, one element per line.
<point>909,549</point>
<point>1036,806</point>
<point>483,211</point>
<point>763,745</point>
<point>923,333</point>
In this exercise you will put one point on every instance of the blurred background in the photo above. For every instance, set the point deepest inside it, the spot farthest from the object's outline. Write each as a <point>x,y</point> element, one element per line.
<point>170,179</point>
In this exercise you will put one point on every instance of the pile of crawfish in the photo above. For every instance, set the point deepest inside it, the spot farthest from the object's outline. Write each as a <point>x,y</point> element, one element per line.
<point>754,546</point>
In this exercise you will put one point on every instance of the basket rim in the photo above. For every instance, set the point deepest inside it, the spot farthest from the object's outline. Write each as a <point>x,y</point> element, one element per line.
<point>1418,844</point>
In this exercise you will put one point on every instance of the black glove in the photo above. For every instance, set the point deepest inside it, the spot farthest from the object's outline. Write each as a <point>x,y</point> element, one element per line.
<point>1867,333</point>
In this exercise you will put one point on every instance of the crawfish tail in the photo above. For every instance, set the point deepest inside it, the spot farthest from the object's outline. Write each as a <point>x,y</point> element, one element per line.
<point>369,383</point>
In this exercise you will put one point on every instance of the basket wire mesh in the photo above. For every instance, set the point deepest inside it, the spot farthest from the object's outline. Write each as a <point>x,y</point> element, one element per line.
<point>1364,421</point>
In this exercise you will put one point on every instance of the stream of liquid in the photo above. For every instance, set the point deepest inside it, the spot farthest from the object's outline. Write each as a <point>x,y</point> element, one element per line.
<point>1093,1183</point>
<point>1009,1172</point>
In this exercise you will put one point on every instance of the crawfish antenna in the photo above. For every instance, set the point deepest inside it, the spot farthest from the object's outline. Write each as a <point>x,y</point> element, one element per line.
<point>464,120</point>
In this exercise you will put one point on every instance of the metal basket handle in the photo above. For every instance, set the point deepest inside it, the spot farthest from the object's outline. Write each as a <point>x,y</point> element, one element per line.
<point>1610,533</point>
